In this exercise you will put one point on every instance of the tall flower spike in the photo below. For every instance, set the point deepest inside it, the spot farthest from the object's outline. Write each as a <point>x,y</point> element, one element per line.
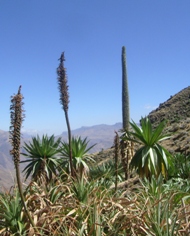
<point>62,83</point>
<point>125,92</point>
<point>64,99</point>
<point>17,118</point>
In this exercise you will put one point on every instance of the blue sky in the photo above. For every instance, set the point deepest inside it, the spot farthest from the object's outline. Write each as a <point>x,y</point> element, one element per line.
<point>33,34</point>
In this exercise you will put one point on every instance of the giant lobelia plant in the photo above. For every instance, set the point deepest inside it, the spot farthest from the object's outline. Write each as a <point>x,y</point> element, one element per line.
<point>151,158</point>
<point>43,158</point>
<point>125,144</point>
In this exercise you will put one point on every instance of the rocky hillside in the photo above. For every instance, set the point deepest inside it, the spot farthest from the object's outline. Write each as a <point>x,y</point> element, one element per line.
<point>176,112</point>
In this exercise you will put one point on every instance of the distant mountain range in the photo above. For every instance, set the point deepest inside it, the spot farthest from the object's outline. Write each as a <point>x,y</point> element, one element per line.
<point>101,135</point>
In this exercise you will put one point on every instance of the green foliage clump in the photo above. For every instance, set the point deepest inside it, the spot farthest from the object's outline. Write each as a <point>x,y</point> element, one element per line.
<point>42,155</point>
<point>151,158</point>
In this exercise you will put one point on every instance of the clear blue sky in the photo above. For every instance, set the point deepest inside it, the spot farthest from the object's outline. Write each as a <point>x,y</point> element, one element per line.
<point>33,34</point>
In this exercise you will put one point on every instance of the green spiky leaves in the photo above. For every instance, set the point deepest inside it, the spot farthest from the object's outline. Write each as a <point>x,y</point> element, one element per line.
<point>41,154</point>
<point>151,158</point>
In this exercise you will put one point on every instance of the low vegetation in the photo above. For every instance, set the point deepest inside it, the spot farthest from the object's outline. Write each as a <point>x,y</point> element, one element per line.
<point>89,205</point>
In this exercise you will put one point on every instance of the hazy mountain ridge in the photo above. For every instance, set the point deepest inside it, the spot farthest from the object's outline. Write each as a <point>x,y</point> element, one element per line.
<point>102,135</point>
<point>5,158</point>
<point>7,171</point>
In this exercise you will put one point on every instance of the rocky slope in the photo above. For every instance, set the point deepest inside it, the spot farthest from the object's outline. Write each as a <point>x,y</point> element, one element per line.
<point>176,112</point>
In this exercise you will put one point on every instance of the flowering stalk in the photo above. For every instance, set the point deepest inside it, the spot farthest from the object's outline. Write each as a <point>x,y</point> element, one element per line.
<point>125,92</point>
<point>17,118</point>
<point>64,100</point>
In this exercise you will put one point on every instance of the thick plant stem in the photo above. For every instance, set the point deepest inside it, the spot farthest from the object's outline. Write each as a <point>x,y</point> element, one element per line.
<point>125,112</point>
<point>70,146</point>
<point>124,157</point>
<point>16,122</point>
<point>125,92</point>
<point>22,198</point>
<point>116,145</point>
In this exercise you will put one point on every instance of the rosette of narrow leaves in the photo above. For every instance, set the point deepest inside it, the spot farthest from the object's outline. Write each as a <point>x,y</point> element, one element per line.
<point>80,154</point>
<point>151,158</point>
<point>12,217</point>
<point>42,156</point>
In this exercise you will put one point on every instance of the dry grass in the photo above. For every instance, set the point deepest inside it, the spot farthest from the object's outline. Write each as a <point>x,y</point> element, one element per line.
<point>66,207</point>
